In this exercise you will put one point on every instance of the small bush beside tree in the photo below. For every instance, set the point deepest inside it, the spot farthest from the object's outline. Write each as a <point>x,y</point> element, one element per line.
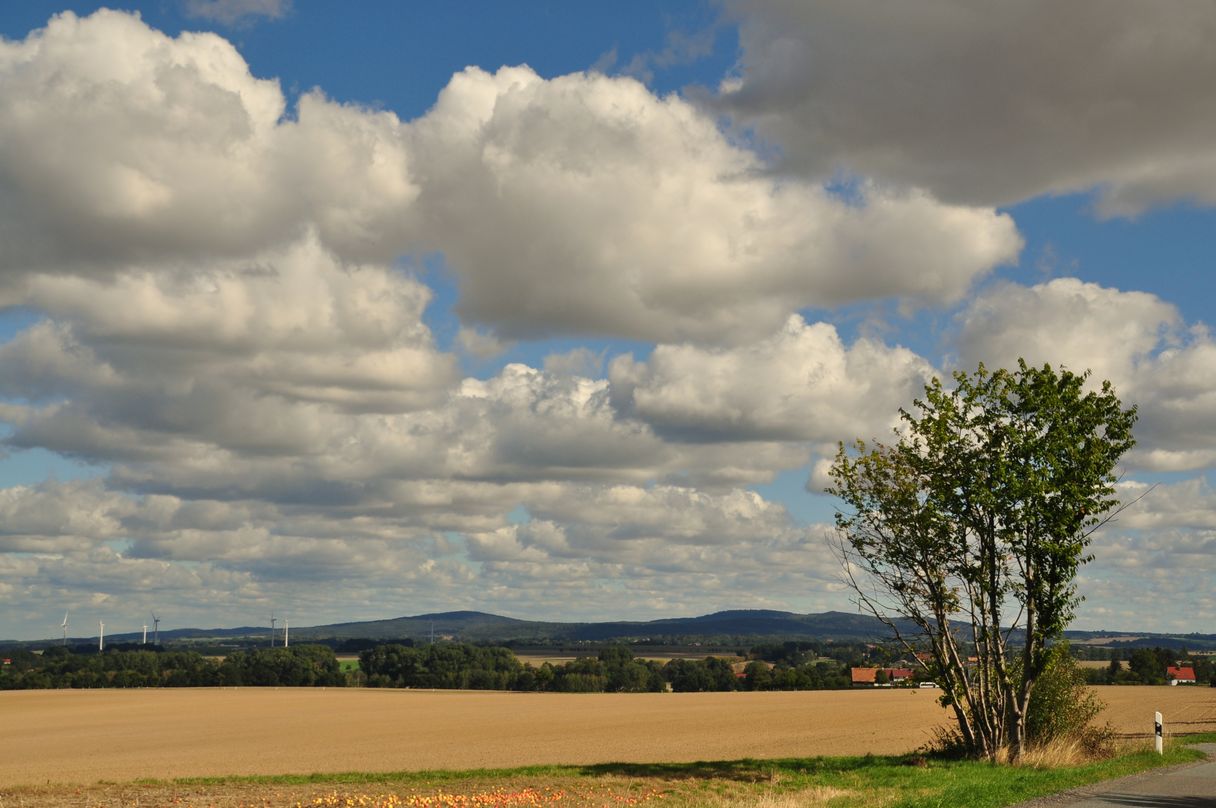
<point>1063,708</point>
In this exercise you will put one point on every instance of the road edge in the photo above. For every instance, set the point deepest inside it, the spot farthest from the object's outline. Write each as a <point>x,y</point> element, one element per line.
<point>1064,798</point>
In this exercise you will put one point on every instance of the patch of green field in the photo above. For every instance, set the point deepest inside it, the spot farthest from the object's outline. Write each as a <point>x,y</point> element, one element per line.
<point>841,782</point>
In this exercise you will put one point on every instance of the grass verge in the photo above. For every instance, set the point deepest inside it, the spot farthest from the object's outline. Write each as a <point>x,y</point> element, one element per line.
<point>840,782</point>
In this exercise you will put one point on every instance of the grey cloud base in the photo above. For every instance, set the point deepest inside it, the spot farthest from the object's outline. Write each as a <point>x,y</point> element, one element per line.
<point>987,104</point>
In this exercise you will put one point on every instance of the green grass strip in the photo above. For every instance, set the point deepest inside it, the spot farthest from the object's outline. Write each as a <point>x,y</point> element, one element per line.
<point>900,781</point>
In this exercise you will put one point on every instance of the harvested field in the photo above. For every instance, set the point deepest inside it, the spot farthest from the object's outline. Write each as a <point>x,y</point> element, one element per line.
<point>1185,709</point>
<point>88,735</point>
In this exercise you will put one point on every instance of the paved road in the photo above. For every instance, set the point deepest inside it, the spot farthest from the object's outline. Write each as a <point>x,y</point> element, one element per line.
<point>1191,786</point>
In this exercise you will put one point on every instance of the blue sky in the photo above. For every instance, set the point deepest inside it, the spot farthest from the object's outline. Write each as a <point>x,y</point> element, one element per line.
<point>556,309</point>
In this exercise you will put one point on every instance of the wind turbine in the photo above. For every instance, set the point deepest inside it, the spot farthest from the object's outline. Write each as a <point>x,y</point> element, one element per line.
<point>64,626</point>
<point>155,628</point>
<point>272,618</point>
<point>286,628</point>
<point>101,636</point>
<point>144,641</point>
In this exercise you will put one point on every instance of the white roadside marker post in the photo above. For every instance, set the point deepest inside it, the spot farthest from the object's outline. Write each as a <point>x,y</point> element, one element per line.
<point>1157,739</point>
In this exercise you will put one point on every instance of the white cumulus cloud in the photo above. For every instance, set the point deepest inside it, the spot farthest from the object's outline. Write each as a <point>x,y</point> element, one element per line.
<point>587,204</point>
<point>1134,339</point>
<point>802,383</point>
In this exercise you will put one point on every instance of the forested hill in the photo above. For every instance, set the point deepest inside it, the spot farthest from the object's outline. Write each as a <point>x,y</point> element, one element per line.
<point>480,627</point>
<point>741,623</point>
<point>470,626</point>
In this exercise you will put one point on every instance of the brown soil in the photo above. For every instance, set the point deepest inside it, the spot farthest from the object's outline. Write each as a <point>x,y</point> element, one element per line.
<point>1186,709</point>
<point>88,735</point>
<point>57,737</point>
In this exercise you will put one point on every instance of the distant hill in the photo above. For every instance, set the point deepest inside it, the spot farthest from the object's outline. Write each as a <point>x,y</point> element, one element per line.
<point>732,625</point>
<point>743,623</point>
<point>479,626</point>
<point>1141,639</point>
<point>465,625</point>
<point>471,626</point>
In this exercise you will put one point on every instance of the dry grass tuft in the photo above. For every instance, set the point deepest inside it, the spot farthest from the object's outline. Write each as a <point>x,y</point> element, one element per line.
<point>1090,745</point>
<point>1058,754</point>
<point>816,795</point>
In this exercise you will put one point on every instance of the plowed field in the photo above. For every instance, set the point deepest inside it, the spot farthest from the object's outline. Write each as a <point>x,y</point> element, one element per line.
<point>117,735</point>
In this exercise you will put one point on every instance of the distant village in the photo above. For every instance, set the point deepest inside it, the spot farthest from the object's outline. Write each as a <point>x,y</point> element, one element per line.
<point>904,674</point>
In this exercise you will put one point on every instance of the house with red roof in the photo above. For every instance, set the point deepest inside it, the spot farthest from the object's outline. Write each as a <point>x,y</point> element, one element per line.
<point>864,677</point>
<point>868,677</point>
<point>1178,675</point>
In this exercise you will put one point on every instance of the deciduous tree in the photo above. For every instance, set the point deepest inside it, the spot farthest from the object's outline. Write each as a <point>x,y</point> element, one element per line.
<point>979,514</point>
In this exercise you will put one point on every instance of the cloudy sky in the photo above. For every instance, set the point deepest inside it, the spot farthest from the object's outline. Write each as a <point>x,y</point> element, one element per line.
<point>556,310</point>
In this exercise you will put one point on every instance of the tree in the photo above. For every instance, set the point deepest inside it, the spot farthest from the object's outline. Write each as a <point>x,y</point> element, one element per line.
<point>979,515</point>
<point>1147,665</point>
<point>758,676</point>
<point>1203,669</point>
<point>689,676</point>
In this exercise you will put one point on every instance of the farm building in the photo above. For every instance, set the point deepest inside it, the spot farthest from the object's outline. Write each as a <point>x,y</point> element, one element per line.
<point>864,677</point>
<point>1177,675</point>
<point>869,677</point>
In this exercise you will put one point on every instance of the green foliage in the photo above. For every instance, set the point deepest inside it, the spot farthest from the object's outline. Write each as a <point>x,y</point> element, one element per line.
<point>1149,664</point>
<point>624,674</point>
<point>614,669</point>
<point>700,676</point>
<point>789,652</point>
<point>1061,705</point>
<point>757,676</point>
<point>441,665</point>
<point>471,667</point>
<point>1205,670</point>
<point>295,666</point>
<point>58,667</point>
<point>987,498</point>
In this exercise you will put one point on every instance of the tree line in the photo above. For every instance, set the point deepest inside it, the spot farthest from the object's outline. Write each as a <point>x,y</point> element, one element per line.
<point>60,667</point>
<point>791,665</point>
<point>614,669</point>
<point>1147,666</point>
